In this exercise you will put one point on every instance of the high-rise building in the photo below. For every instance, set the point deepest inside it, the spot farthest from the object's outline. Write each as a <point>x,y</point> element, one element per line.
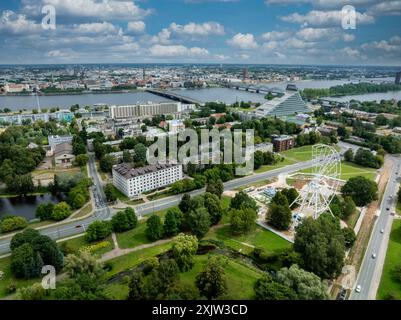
<point>398,78</point>
<point>143,110</point>
<point>245,74</point>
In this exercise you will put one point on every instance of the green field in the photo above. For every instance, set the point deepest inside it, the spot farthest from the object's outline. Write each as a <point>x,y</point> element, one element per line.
<point>303,153</point>
<point>388,285</point>
<point>246,243</point>
<point>281,164</point>
<point>350,170</point>
<point>80,242</point>
<point>137,237</point>
<point>240,277</point>
<point>298,154</point>
<point>133,259</point>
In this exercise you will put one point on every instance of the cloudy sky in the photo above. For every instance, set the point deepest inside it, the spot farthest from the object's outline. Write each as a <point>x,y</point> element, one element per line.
<point>204,31</point>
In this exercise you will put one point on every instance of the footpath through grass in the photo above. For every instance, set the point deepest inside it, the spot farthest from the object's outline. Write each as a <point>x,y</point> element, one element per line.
<point>388,284</point>
<point>245,244</point>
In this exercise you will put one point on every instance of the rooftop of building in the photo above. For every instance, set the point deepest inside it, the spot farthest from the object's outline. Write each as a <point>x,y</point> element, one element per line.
<point>127,171</point>
<point>63,148</point>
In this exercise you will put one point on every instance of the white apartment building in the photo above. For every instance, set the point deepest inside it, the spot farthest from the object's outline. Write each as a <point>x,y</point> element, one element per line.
<point>141,110</point>
<point>134,181</point>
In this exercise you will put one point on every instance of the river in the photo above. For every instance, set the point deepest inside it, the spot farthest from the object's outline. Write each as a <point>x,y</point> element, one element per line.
<point>24,206</point>
<point>225,95</point>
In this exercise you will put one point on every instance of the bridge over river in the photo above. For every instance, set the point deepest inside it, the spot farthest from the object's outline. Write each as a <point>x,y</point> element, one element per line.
<point>175,96</point>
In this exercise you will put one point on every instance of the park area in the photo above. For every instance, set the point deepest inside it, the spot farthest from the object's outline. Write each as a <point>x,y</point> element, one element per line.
<point>390,287</point>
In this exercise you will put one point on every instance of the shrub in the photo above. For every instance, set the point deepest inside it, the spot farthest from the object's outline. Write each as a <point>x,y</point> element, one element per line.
<point>9,224</point>
<point>61,211</point>
<point>95,247</point>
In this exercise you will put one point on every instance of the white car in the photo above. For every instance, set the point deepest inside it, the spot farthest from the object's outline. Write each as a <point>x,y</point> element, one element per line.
<point>373,255</point>
<point>382,231</point>
<point>358,288</point>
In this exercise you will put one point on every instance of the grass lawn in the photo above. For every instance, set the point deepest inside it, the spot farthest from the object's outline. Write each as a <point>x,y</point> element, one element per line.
<point>387,284</point>
<point>84,211</point>
<point>303,153</point>
<point>259,237</point>
<point>240,277</point>
<point>298,154</point>
<point>131,260</point>
<point>9,279</point>
<point>350,170</point>
<point>80,242</point>
<point>281,164</point>
<point>137,237</point>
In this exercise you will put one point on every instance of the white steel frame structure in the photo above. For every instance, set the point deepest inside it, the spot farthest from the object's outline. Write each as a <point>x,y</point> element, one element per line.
<point>323,182</point>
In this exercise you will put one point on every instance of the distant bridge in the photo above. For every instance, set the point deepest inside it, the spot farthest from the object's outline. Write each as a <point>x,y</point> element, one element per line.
<point>174,96</point>
<point>253,88</point>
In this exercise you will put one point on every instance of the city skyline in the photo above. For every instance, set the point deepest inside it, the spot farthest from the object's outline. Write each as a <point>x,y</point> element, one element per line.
<point>197,31</point>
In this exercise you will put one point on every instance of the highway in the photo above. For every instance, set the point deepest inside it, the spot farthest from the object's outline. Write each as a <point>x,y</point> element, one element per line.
<point>103,212</point>
<point>370,271</point>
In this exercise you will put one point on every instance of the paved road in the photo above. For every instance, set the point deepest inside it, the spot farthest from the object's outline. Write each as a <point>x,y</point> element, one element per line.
<point>105,213</point>
<point>368,272</point>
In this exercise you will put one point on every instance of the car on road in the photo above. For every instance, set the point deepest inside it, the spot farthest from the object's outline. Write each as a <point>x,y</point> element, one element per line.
<point>358,288</point>
<point>387,208</point>
<point>78,226</point>
<point>373,255</point>
<point>382,231</point>
<point>342,294</point>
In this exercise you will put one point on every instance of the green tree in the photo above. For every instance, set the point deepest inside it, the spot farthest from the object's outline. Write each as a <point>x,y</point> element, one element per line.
<point>110,192</point>
<point>184,249</point>
<point>140,152</point>
<point>321,246</point>
<point>25,262</point>
<point>306,285</point>
<point>127,157</point>
<point>107,162</point>
<point>361,190</point>
<point>154,228</point>
<point>291,195</point>
<point>349,155</point>
<point>212,282</point>
<point>98,230</point>
<point>267,289</point>
<point>242,220</point>
<point>172,222</point>
<point>35,292</point>
<point>61,211</point>
<point>279,216</point>
<point>243,201</point>
<point>44,211</point>
<point>136,287</point>
<point>124,220</point>
<point>198,221</point>
<point>215,187</point>
<point>85,279</point>
<point>213,206</point>
<point>81,160</point>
